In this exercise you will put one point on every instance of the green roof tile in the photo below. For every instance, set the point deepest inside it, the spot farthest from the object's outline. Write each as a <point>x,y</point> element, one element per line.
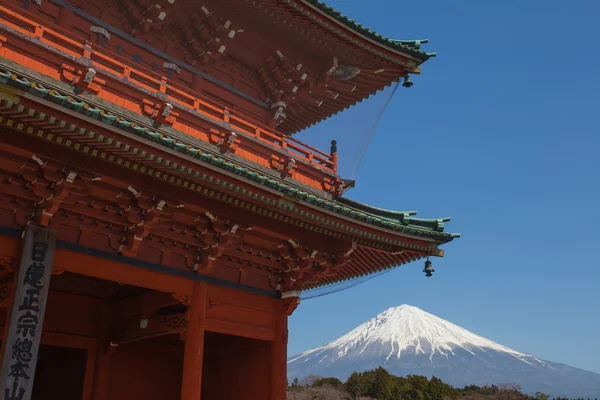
<point>398,221</point>
<point>411,47</point>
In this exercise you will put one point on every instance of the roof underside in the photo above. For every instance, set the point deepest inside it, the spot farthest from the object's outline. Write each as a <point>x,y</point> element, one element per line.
<point>310,35</point>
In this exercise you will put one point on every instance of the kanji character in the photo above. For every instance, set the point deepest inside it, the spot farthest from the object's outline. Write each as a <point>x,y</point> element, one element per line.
<point>19,370</point>
<point>39,251</point>
<point>31,300</point>
<point>34,275</point>
<point>17,392</point>
<point>26,324</point>
<point>22,350</point>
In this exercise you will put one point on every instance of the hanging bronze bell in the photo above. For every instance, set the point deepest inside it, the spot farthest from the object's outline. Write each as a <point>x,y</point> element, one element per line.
<point>428,269</point>
<point>407,82</point>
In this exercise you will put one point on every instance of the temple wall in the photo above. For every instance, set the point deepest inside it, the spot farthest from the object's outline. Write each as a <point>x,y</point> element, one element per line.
<point>238,345</point>
<point>69,314</point>
<point>236,313</point>
<point>144,370</point>
<point>235,368</point>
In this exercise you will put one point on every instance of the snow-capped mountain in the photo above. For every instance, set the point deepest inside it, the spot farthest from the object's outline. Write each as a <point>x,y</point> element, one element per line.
<point>407,340</point>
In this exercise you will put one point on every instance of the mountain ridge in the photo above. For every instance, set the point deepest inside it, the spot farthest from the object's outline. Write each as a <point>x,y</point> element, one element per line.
<point>407,340</point>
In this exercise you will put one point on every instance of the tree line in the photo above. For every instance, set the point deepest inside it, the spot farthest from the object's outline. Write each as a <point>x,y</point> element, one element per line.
<point>379,384</point>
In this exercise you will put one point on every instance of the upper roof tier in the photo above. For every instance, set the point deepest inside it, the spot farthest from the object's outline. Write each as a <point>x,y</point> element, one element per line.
<point>412,47</point>
<point>310,61</point>
<point>286,64</point>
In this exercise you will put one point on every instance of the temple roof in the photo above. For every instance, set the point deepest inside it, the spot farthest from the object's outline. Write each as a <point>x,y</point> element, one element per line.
<point>401,222</point>
<point>342,62</point>
<point>412,47</point>
<point>210,163</point>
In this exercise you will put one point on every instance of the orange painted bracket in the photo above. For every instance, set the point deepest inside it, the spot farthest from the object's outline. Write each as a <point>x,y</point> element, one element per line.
<point>156,112</point>
<point>284,166</point>
<point>331,185</point>
<point>226,141</point>
<point>75,76</point>
<point>291,301</point>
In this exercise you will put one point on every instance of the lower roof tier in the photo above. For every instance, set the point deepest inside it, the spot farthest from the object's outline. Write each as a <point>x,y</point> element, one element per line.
<point>139,136</point>
<point>104,187</point>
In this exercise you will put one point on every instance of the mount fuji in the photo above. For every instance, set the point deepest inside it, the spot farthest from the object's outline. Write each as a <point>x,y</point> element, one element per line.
<point>406,340</point>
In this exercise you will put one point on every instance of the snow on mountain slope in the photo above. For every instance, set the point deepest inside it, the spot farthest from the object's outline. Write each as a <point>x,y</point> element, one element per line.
<point>406,327</point>
<point>407,340</point>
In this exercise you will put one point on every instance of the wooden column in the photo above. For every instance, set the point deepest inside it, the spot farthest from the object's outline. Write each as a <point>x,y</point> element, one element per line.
<point>285,308</point>
<point>7,299</point>
<point>279,355</point>
<point>103,355</point>
<point>191,387</point>
<point>27,317</point>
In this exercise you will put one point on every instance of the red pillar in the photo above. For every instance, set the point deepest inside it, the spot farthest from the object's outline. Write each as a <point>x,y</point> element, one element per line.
<point>100,386</point>
<point>279,355</point>
<point>191,387</point>
<point>285,308</point>
<point>101,369</point>
<point>9,306</point>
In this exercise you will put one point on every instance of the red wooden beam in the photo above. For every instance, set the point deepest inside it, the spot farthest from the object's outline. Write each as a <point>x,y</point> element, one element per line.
<point>133,329</point>
<point>143,305</point>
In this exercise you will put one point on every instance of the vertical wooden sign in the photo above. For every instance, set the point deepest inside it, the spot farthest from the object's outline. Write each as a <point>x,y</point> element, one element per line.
<point>27,315</point>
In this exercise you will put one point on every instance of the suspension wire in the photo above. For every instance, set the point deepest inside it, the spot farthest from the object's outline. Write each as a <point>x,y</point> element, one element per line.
<point>373,129</point>
<point>340,287</point>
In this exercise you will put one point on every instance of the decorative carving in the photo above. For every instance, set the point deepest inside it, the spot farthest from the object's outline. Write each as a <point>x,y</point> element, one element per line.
<point>206,36</point>
<point>161,113</point>
<point>338,262</point>
<point>174,322</point>
<point>216,235</point>
<point>345,72</point>
<point>172,67</point>
<point>84,79</point>
<point>291,300</point>
<point>7,263</point>
<point>284,165</point>
<point>149,211</point>
<point>147,15</point>
<point>288,84</point>
<point>300,262</point>
<point>227,141</point>
<point>100,31</point>
<point>58,193</point>
<point>6,291</point>
<point>284,81</point>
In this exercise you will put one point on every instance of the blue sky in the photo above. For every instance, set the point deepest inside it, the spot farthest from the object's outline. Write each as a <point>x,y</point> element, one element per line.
<point>500,132</point>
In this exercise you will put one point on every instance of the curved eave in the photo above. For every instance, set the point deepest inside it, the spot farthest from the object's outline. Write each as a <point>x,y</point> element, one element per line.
<point>403,217</point>
<point>356,271</point>
<point>409,47</point>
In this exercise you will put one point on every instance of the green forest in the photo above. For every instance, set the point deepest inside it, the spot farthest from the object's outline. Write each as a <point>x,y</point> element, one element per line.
<point>379,384</point>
